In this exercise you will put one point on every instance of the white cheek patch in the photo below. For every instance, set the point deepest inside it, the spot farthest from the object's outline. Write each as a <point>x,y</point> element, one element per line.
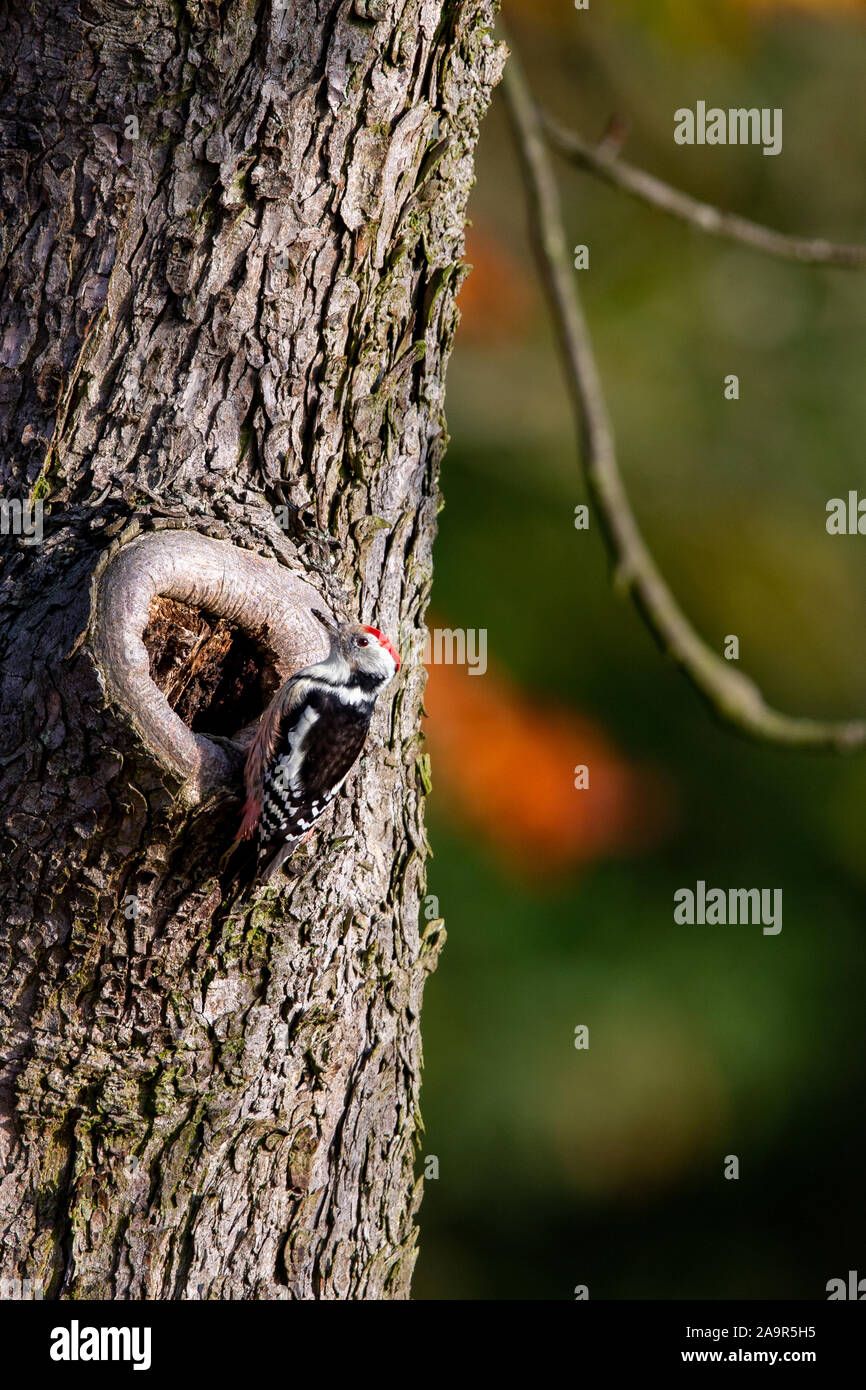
<point>381,663</point>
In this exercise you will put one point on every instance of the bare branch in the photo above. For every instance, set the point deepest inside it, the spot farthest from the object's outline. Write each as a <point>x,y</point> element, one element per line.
<point>732,696</point>
<point>600,160</point>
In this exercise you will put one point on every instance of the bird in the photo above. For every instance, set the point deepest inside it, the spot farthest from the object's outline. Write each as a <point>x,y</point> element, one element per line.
<point>309,738</point>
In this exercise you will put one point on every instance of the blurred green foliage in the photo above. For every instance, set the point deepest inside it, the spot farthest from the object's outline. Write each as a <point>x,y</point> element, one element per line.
<point>604,1167</point>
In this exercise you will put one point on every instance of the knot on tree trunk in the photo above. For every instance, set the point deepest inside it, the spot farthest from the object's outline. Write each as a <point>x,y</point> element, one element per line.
<point>212,580</point>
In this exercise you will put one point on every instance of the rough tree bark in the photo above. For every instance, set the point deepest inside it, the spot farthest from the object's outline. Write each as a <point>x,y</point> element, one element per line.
<point>229,252</point>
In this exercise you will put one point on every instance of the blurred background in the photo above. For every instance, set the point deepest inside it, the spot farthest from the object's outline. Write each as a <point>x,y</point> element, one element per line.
<point>604,1167</point>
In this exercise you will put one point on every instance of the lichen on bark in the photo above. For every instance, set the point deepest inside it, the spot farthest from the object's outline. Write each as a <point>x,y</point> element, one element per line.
<point>231,244</point>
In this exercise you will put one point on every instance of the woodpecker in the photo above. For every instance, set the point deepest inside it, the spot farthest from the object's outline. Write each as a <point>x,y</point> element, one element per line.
<point>310,736</point>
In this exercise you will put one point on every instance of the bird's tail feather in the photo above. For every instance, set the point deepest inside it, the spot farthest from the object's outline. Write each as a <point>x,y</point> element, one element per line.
<point>270,866</point>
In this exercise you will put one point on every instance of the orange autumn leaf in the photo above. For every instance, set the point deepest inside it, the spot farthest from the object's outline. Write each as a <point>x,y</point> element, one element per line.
<point>495,298</point>
<point>506,765</point>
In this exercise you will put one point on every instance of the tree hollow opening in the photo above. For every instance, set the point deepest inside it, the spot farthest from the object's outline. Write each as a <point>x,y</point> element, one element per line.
<point>215,676</point>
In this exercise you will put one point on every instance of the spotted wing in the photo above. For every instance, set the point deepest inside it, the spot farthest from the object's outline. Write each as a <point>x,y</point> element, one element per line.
<point>315,752</point>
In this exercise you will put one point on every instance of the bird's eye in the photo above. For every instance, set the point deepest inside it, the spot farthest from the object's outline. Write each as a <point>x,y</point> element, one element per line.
<point>363,641</point>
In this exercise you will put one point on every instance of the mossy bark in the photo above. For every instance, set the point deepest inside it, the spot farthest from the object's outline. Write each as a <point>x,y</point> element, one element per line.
<point>229,253</point>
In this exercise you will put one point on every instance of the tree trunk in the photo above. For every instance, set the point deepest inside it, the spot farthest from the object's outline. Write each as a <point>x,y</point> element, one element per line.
<point>231,243</point>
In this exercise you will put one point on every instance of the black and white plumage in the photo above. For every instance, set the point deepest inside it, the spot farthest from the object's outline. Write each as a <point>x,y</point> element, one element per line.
<point>309,738</point>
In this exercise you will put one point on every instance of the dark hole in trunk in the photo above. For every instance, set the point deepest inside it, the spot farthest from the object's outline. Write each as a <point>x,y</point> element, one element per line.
<point>213,673</point>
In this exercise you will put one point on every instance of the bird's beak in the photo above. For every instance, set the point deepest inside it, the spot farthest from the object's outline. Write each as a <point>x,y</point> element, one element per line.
<point>327,623</point>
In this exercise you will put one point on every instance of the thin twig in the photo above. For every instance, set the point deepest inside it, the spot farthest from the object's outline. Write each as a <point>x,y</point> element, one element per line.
<point>731,695</point>
<point>606,164</point>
